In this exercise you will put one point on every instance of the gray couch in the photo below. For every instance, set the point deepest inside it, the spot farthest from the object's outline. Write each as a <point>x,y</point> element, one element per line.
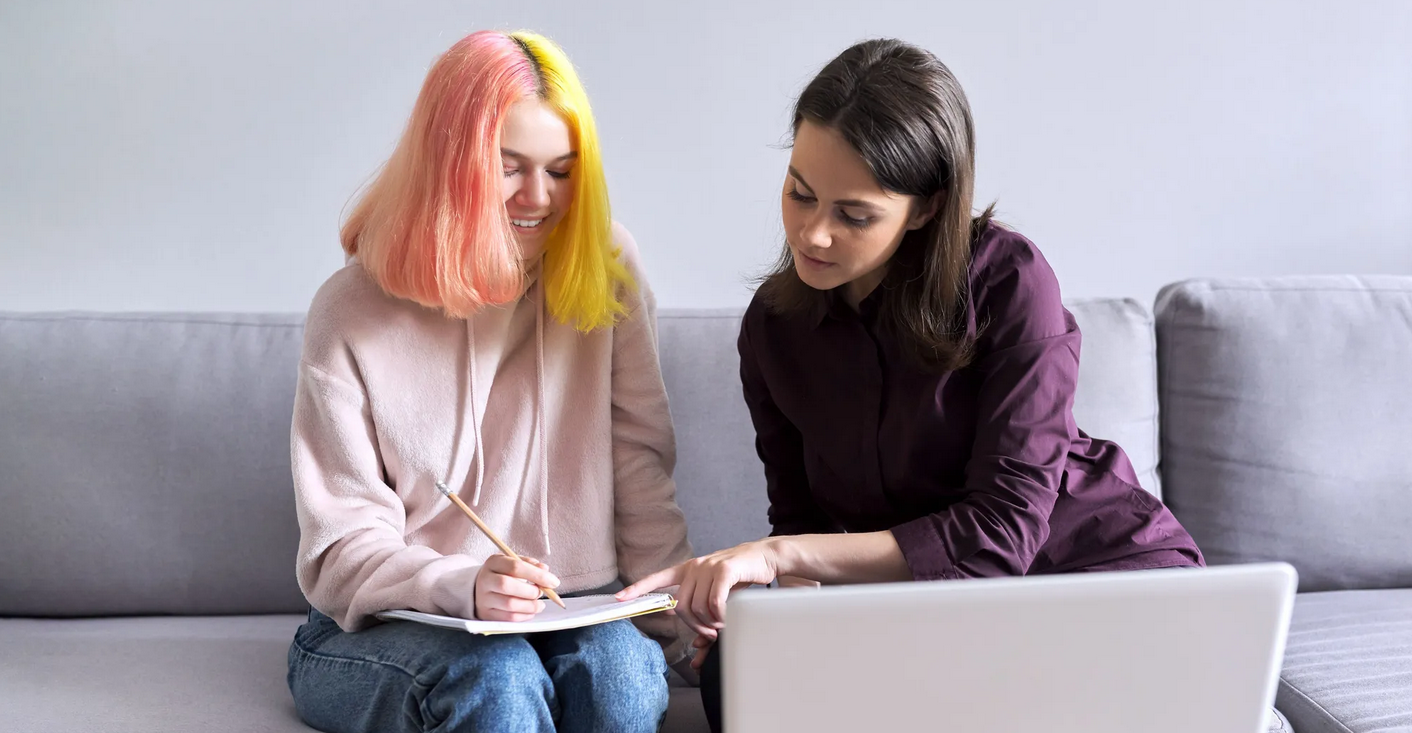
<point>147,529</point>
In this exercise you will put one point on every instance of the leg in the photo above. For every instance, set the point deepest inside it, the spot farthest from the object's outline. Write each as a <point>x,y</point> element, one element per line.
<point>607,677</point>
<point>711,686</point>
<point>404,677</point>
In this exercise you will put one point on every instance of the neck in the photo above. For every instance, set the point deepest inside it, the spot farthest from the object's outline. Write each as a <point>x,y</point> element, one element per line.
<point>855,291</point>
<point>533,270</point>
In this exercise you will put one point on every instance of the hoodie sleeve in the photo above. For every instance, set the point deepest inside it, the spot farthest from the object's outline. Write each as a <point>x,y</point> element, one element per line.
<point>650,526</point>
<point>353,559</point>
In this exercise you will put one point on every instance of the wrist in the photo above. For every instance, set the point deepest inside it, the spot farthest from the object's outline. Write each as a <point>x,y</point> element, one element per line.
<point>455,592</point>
<point>782,554</point>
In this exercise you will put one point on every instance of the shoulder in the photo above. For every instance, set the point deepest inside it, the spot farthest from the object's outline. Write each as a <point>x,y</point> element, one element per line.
<point>1013,290</point>
<point>757,315</point>
<point>637,294</point>
<point>1006,264</point>
<point>350,285</point>
<point>626,249</point>
<point>351,298</point>
<point>764,330</point>
<point>350,308</point>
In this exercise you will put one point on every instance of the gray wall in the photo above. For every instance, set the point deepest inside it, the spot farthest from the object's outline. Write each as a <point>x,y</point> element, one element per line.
<point>197,155</point>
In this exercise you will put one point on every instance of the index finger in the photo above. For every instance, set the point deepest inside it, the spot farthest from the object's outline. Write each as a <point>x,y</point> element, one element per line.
<point>660,579</point>
<point>506,565</point>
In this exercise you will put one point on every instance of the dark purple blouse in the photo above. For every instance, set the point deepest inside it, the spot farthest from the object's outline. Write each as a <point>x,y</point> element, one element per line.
<point>977,472</point>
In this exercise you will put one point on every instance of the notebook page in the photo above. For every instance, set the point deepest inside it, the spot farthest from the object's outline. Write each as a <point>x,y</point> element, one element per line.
<point>581,611</point>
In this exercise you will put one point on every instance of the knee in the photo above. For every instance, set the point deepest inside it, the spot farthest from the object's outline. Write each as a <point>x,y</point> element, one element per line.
<point>628,676</point>
<point>497,678</point>
<point>506,663</point>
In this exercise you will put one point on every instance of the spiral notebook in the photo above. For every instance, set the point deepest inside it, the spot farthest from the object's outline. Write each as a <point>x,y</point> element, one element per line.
<point>581,611</point>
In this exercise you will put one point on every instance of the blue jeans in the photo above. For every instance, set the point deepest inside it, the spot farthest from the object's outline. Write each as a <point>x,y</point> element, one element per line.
<point>403,677</point>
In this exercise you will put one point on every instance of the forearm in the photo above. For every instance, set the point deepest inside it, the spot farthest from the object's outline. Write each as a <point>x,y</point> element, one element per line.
<point>869,557</point>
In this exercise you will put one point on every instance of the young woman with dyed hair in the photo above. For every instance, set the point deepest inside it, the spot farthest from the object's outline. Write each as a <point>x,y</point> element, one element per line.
<point>910,371</point>
<point>492,331</point>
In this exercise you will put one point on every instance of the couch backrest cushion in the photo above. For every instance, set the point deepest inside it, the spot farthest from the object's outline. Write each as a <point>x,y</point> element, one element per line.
<point>144,459</point>
<point>144,464</point>
<point>720,483</point>
<point>1287,423</point>
<point>1117,393</point>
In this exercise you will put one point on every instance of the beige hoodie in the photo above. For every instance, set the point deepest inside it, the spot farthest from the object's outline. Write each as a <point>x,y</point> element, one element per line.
<point>561,441</point>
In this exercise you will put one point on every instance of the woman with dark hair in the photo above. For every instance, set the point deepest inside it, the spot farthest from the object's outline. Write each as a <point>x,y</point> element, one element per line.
<point>910,370</point>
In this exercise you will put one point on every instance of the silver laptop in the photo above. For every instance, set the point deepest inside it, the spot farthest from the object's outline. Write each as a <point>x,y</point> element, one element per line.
<point>1156,651</point>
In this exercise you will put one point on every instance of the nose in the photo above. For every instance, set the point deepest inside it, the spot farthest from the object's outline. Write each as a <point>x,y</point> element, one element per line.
<point>814,230</point>
<point>534,193</point>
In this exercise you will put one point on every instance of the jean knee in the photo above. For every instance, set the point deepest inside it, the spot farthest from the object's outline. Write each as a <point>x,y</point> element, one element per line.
<point>404,676</point>
<point>500,680</point>
<point>628,669</point>
<point>505,663</point>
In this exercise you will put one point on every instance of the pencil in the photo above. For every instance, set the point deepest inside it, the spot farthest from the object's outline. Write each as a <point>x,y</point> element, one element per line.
<point>504,548</point>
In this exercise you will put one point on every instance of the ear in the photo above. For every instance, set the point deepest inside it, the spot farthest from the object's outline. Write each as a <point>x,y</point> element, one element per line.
<point>926,209</point>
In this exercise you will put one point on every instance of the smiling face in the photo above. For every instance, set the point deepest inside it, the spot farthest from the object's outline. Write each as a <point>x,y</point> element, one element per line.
<point>538,154</point>
<point>841,226</point>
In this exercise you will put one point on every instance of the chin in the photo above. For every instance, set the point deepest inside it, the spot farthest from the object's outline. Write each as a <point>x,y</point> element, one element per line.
<point>814,281</point>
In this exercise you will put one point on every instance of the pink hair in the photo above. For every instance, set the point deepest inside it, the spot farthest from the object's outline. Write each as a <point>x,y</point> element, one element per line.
<point>432,227</point>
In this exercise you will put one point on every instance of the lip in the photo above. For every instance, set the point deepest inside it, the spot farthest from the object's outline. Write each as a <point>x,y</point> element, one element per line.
<point>543,221</point>
<point>812,261</point>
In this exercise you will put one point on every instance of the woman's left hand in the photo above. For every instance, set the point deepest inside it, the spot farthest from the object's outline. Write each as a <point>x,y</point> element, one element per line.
<point>704,582</point>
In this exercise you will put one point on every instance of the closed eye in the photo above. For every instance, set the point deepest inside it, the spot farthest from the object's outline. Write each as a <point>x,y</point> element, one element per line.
<point>795,195</point>
<point>852,221</point>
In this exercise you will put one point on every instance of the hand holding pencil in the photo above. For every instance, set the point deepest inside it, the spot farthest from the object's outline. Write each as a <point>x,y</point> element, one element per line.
<point>508,586</point>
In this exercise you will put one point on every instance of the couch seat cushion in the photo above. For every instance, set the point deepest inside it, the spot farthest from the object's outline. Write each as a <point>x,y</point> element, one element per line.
<point>147,675</point>
<point>215,674</point>
<point>1348,662</point>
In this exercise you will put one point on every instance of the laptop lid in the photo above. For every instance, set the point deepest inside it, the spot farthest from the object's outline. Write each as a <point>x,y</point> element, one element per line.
<point>1158,651</point>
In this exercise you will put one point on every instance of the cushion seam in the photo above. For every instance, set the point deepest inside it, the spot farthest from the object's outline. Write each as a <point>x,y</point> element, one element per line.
<point>1295,690</point>
<point>158,321</point>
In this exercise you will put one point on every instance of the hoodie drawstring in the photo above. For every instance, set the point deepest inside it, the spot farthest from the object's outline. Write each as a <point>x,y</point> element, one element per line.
<point>479,455</point>
<point>541,427</point>
<point>541,421</point>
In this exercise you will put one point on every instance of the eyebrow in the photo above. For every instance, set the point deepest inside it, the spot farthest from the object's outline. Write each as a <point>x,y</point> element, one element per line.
<point>856,203</point>
<point>508,153</point>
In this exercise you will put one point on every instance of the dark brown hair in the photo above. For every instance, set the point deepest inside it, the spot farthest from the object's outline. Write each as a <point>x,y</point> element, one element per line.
<point>905,114</point>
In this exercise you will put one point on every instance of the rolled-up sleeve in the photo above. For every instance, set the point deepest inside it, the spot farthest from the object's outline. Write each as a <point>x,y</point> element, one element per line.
<point>1027,367</point>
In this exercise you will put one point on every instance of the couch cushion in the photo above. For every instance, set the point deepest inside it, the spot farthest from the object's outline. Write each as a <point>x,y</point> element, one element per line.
<point>1348,662</point>
<point>144,464</point>
<point>147,675</point>
<point>1117,393</point>
<point>178,674</point>
<point>684,711</point>
<point>721,485</point>
<point>1286,417</point>
<point>146,457</point>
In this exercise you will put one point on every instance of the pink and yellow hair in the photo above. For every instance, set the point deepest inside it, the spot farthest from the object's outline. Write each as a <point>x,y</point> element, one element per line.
<point>432,226</point>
